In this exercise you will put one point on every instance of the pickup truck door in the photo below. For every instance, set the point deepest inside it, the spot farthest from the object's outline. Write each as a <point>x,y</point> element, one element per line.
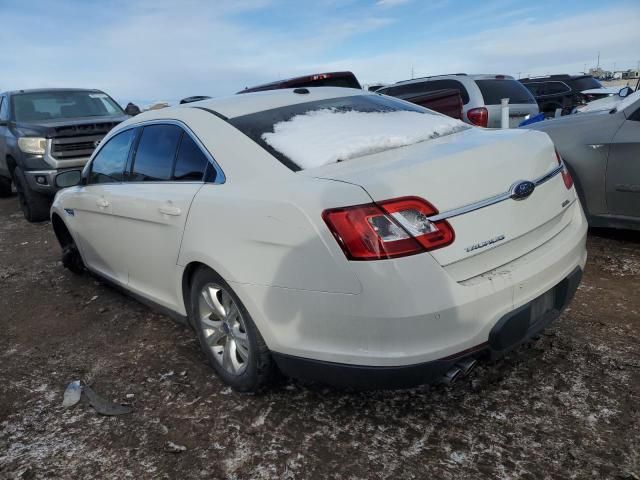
<point>91,207</point>
<point>623,169</point>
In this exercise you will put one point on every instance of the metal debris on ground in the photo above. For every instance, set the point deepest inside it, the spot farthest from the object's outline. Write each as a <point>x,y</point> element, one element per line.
<point>75,390</point>
<point>104,406</point>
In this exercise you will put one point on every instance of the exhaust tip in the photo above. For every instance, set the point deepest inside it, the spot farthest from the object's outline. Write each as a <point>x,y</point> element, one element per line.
<point>451,376</point>
<point>467,365</point>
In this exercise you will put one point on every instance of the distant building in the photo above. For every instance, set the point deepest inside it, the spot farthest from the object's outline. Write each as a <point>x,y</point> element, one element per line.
<point>630,74</point>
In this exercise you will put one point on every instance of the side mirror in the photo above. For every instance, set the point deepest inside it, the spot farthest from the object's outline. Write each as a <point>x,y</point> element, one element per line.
<point>625,92</point>
<point>68,179</point>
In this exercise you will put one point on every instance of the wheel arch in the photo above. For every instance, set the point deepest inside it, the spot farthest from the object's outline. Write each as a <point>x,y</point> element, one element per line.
<point>62,232</point>
<point>11,164</point>
<point>187,278</point>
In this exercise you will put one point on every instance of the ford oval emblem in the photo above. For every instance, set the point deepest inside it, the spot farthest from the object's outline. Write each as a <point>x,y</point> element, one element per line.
<point>522,190</point>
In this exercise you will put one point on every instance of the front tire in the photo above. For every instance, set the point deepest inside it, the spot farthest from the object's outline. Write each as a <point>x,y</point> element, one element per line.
<point>5,187</point>
<point>34,205</point>
<point>228,336</point>
<point>71,259</point>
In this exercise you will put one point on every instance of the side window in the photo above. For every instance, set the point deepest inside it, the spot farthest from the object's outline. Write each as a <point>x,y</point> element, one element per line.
<point>108,165</point>
<point>191,161</point>
<point>4,108</point>
<point>446,84</point>
<point>534,88</point>
<point>557,88</point>
<point>155,153</point>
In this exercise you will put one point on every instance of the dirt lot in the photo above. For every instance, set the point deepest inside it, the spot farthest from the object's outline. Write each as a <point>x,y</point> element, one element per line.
<point>566,407</point>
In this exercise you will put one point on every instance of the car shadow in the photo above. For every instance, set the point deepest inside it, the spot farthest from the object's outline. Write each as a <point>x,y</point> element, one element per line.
<point>616,234</point>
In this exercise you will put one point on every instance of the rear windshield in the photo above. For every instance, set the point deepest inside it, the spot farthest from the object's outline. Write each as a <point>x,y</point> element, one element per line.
<point>586,83</point>
<point>42,106</point>
<point>317,133</point>
<point>495,90</point>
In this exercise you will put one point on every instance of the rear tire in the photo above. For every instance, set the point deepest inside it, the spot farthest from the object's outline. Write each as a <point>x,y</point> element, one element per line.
<point>228,336</point>
<point>34,205</point>
<point>5,187</point>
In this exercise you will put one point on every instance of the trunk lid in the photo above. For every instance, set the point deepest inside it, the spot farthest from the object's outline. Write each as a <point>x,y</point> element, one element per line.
<point>465,168</point>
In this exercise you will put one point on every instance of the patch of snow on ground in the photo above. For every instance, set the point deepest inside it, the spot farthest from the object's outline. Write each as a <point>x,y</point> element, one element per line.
<point>326,136</point>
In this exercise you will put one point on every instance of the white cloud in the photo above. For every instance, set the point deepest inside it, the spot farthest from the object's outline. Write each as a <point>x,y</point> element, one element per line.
<point>164,50</point>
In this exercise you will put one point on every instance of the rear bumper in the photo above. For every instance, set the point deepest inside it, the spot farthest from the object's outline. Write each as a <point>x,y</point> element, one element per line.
<point>412,312</point>
<point>509,332</point>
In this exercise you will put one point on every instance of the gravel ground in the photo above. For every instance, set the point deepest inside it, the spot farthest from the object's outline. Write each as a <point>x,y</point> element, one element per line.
<point>565,407</point>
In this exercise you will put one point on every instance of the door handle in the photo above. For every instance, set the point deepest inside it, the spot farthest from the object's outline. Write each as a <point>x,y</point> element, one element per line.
<point>102,203</point>
<point>170,210</point>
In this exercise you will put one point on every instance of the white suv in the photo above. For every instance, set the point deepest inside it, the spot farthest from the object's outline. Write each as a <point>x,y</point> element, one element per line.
<point>481,96</point>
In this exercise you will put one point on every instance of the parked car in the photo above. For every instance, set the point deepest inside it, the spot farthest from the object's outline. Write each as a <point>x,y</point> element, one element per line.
<point>602,151</point>
<point>610,102</point>
<point>330,79</point>
<point>338,235</point>
<point>481,96</point>
<point>563,91</point>
<point>43,132</point>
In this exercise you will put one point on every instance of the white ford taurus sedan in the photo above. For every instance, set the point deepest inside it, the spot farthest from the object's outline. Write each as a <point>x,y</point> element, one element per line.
<point>332,234</point>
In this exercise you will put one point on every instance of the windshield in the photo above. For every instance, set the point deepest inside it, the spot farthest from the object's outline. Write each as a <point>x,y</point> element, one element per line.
<point>495,90</point>
<point>55,105</point>
<point>317,133</point>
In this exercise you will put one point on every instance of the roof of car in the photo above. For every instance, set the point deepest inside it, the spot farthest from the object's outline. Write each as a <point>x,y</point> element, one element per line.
<point>475,76</point>
<point>44,90</point>
<point>239,105</point>
<point>563,76</point>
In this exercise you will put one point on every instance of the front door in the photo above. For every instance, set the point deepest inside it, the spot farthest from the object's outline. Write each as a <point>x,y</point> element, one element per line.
<point>623,169</point>
<point>92,208</point>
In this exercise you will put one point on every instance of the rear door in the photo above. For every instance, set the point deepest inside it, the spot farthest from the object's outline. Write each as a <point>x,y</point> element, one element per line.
<point>168,168</point>
<point>623,169</point>
<point>92,209</point>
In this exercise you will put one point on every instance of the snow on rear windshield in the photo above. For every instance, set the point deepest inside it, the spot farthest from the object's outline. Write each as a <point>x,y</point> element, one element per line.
<point>326,136</point>
<point>315,133</point>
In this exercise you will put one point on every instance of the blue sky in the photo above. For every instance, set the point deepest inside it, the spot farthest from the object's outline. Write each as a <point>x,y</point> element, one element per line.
<point>151,50</point>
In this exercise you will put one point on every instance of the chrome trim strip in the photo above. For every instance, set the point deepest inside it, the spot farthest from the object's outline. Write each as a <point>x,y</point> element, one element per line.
<point>455,212</point>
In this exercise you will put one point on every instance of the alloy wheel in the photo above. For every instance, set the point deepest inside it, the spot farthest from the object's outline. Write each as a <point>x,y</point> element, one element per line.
<point>223,328</point>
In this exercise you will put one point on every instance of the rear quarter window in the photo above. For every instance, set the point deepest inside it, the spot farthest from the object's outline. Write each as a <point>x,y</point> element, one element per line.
<point>493,91</point>
<point>417,88</point>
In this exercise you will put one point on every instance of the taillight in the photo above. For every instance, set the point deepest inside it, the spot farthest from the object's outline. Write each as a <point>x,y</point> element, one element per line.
<point>566,176</point>
<point>389,229</point>
<point>479,116</point>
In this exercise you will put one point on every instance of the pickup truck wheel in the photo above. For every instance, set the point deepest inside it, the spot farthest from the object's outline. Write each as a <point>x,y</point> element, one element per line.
<point>5,187</point>
<point>229,338</point>
<point>35,206</point>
